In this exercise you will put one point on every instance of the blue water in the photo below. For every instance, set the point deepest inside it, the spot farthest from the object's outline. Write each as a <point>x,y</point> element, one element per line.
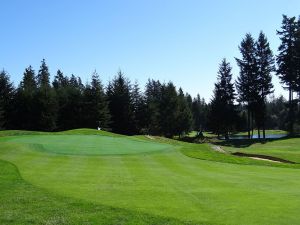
<point>255,136</point>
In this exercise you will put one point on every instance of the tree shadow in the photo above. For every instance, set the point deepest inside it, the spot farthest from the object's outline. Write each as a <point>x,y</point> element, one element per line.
<point>243,143</point>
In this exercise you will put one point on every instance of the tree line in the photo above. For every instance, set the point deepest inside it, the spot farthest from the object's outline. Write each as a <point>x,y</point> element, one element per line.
<point>121,106</point>
<point>254,83</point>
<point>160,108</point>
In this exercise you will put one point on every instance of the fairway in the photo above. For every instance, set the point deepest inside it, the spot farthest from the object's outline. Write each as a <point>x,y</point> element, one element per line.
<point>87,175</point>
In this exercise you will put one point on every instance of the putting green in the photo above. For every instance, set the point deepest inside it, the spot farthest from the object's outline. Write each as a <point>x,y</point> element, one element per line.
<point>89,144</point>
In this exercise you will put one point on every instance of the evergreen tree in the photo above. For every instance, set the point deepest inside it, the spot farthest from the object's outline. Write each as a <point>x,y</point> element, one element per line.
<point>247,83</point>
<point>43,77</point>
<point>75,102</point>
<point>184,118</point>
<point>153,96</point>
<point>121,105</point>
<point>189,101</point>
<point>60,81</point>
<point>222,105</point>
<point>46,100</point>
<point>95,111</point>
<point>6,100</point>
<point>139,109</point>
<point>169,109</point>
<point>199,110</point>
<point>277,113</point>
<point>60,85</point>
<point>265,65</point>
<point>287,62</point>
<point>2,114</point>
<point>26,112</point>
<point>297,46</point>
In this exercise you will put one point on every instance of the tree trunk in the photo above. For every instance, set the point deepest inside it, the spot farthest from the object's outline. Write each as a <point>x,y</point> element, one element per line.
<point>263,122</point>
<point>252,127</point>
<point>264,130</point>
<point>248,122</point>
<point>226,135</point>
<point>291,111</point>
<point>258,132</point>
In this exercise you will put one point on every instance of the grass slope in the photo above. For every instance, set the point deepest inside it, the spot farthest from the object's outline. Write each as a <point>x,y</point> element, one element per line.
<point>161,187</point>
<point>285,148</point>
<point>22,203</point>
<point>88,144</point>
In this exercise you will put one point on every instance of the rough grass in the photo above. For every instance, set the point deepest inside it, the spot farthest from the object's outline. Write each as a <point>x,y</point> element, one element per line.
<point>285,148</point>
<point>164,187</point>
<point>205,152</point>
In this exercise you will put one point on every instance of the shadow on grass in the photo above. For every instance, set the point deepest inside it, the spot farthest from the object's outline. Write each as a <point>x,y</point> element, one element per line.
<point>242,143</point>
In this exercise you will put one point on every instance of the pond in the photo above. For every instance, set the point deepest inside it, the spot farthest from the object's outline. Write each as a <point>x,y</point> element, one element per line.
<point>255,136</point>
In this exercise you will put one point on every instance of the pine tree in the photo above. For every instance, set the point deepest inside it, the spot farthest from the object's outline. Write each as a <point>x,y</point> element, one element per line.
<point>169,109</point>
<point>26,101</point>
<point>60,85</point>
<point>153,96</point>
<point>46,100</point>
<point>247,83</point>
<point>120,105</point>
<point>265,64</point>
<point>96,112</point>
<point>6,100</point>
<point>277,113</point>
<point>43,77</point>
<point>287,62</point>
<point>189,101</point>
<point>222,105</point>
<point>139,109</point>
<point>74,107</point>
<point>199,110</point>
<point>297,45</point>
<point>184,117</point>
<point>2,115</point>
<point>60,81</point>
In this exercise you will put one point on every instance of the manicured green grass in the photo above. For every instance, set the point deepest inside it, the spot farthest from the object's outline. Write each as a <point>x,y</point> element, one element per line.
<point>205,153</point>
<point>83,131</point>
<point>88,144</point>
<point>169,186</point>
<point>23,203</point>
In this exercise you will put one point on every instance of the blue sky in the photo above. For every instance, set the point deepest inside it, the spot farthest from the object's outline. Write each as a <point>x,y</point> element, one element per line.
<point>182,41</point>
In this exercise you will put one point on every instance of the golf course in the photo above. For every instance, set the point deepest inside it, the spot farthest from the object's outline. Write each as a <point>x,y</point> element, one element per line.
<point>86,176</point>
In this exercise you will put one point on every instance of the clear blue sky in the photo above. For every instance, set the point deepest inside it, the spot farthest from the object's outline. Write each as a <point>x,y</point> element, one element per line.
<point>183,41</point>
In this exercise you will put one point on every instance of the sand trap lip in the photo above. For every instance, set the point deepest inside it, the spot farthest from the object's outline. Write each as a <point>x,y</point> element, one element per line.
<point>150,137</point>
<point>262,157</point>
<point>218,149</point>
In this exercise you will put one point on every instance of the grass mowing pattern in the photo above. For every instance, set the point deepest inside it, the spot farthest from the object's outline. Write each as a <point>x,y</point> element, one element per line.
<point>22,203</point>
<point>165,183</point>
<point>89,144</point>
